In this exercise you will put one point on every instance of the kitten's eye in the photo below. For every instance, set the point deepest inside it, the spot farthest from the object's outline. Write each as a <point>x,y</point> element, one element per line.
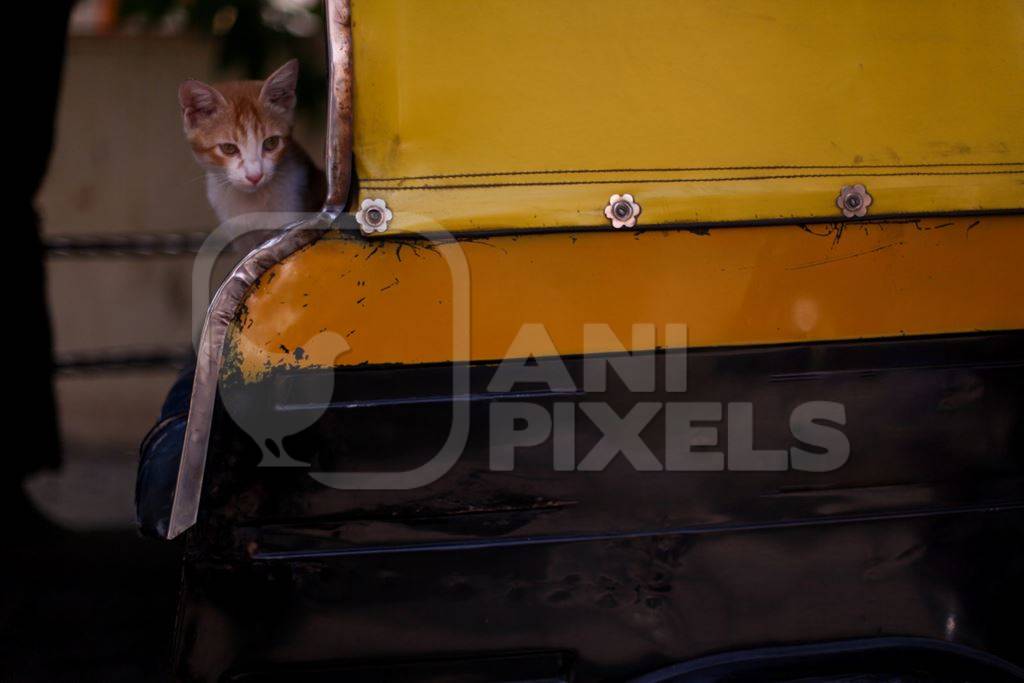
<point>228,149</point>
<point>271,143</point>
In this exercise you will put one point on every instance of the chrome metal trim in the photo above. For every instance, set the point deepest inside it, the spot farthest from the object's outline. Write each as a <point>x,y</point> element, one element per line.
<point>854,200</point>
<point>622,210</point>
<point>427,400</point>
<point>339,105</point>
<point>373,216</point>
<point>225,304</point>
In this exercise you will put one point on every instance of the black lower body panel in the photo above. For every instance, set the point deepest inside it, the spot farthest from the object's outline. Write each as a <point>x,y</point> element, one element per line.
<point>613,572</point>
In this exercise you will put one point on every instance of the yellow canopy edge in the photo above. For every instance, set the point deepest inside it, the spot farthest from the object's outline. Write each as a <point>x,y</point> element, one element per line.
<point>518,114</point>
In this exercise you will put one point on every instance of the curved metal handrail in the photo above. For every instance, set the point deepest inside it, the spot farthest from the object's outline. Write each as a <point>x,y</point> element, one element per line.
<point>225,304</point>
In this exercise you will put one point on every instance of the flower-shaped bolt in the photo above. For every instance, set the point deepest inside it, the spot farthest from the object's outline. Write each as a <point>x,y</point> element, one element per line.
<point>373,216</point>
<point>854,201</point>
<point>622,211</point>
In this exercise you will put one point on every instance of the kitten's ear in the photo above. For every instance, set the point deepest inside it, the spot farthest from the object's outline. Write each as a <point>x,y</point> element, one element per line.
<point>279,88</point>
<point>198,101</point>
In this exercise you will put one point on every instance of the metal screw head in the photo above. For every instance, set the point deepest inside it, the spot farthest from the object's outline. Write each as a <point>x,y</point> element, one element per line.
<point>854,201</point>
<point>622,211</point>
<point>373,216</point>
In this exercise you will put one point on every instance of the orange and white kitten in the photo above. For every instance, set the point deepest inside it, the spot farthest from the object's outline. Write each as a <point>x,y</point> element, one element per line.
<point>241,133</point>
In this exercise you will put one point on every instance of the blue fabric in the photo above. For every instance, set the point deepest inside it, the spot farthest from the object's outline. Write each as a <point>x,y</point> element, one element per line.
<point>159,458</point>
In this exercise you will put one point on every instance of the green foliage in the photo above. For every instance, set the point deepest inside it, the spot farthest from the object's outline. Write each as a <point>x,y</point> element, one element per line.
<point>252,36</point>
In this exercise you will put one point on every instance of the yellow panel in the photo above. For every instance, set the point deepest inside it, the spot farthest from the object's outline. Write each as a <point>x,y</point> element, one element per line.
<point>491,114</point>
<point>392,301</point>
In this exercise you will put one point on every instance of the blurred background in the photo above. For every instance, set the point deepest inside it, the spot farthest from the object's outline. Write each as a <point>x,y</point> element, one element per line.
<point>122,209</point>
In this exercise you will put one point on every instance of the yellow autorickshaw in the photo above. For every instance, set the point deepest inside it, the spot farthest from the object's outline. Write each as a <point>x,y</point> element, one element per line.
<point>677,341</point>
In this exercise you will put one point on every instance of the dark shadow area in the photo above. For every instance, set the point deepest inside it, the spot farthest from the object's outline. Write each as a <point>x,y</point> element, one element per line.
<point>87,606</point>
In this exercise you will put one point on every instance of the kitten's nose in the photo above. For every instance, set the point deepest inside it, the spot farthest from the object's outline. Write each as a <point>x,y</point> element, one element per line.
<point>254,178</point>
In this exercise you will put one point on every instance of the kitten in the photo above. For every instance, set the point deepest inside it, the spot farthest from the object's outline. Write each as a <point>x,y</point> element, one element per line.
<point>240,132</point>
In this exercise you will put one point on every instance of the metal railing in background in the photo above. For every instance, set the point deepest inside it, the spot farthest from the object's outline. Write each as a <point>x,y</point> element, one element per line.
<point>133,244</point>
<point>115,360</point>
<point>123,245</point>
